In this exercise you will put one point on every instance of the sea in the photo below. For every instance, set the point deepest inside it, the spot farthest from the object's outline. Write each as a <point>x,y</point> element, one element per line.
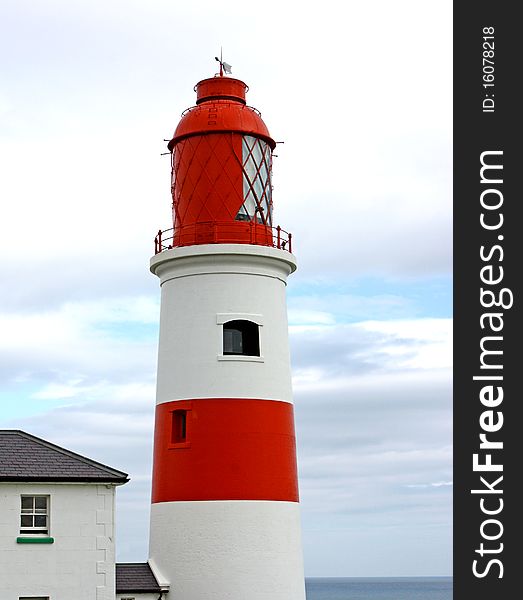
<point>378,588</point>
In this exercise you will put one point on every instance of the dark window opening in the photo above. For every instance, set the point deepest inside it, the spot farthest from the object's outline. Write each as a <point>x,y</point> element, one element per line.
<point>241,338</point>
<point>179,431</point>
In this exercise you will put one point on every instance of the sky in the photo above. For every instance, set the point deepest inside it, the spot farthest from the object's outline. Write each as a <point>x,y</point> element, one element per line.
<point>360,94</point>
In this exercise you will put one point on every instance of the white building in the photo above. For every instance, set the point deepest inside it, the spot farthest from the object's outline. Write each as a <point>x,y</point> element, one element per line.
<point>57,513</point>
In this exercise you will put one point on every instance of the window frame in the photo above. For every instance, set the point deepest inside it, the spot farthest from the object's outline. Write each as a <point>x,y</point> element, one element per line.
<point>222,319</point>
<point>176,441</point>
<point>32,531</point>
<point>257,181</point>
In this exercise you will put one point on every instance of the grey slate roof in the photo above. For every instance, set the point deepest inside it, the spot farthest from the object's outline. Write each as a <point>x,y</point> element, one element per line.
<point>25,457</point>
<point>135,577</point>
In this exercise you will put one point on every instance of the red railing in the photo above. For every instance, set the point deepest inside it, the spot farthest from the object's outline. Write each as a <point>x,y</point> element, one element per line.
<point>270,236</point>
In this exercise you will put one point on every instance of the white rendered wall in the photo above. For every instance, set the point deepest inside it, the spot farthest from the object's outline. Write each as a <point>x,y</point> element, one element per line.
<point>232,550</point>
<point>203,286</point>
<point>80,564</point>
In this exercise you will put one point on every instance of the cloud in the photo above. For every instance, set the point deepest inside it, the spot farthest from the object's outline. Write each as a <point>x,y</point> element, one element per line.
<point>328,352</point>
<point>362,181</point>
<point>369,435</point>
<point>426,485</point>
<point>366,192</point>
<point>76,352</point>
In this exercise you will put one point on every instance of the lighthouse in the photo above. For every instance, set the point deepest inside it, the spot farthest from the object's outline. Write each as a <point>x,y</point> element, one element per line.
<point>225,521</point>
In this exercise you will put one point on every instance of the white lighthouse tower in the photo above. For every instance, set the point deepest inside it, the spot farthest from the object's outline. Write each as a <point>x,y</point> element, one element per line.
<point>225,522</point>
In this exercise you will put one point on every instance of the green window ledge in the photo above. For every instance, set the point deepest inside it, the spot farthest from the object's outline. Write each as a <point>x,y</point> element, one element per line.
<point>35,540</point>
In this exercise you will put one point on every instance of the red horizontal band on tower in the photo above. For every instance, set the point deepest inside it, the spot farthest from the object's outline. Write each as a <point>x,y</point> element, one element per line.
<point>224,449</point>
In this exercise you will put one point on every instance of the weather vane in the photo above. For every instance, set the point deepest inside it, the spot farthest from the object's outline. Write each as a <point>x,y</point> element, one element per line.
<point>224,67</point>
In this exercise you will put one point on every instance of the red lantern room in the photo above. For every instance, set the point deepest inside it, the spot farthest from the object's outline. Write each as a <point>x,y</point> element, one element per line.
<point>221,171</point>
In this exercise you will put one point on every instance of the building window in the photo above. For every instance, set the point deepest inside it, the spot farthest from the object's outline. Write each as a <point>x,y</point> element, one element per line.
<point>34,515</point>
<point>180,435</point>
<point>241,337</point>
<point>179,430</point>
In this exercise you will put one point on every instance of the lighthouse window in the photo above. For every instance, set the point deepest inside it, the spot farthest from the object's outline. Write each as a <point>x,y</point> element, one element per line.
<point>179,430</point>
<point>257,204</point>
<point>241,338</point>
